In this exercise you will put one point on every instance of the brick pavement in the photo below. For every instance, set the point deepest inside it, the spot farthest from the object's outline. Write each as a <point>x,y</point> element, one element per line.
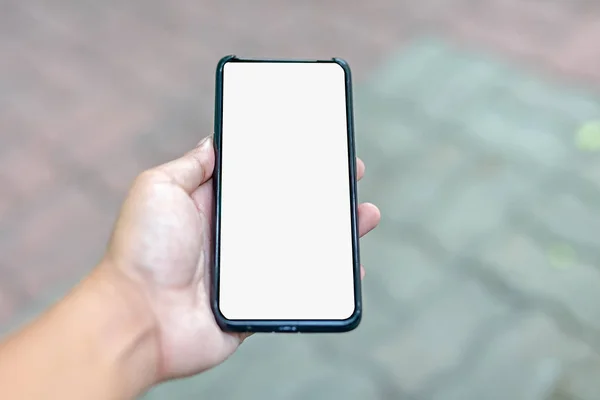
<point>488,243</point>
<point>92,94</point>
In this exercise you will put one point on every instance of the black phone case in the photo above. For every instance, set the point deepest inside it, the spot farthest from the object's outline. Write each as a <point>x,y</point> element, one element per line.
<point>288,326</point>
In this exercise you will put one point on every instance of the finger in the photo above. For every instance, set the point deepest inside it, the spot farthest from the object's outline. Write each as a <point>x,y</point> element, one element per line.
<point>368,218</point>
<point>360,169</point>
<point>203,198</point>
<point>194,168</point>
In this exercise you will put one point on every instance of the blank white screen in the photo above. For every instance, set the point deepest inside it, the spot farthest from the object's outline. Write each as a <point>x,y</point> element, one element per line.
<point>286,239</point>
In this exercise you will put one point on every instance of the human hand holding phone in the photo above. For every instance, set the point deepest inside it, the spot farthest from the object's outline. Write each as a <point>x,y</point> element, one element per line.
<point>207,251</point>
<point>155,247</point>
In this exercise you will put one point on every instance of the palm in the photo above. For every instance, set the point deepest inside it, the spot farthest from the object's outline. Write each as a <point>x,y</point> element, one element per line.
<point>167,238</point>
<point>191,340</point>
<point>162,242</point>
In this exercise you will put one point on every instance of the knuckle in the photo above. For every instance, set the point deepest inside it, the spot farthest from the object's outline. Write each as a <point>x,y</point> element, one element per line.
<point>196,164</point>
<point>147,176</point>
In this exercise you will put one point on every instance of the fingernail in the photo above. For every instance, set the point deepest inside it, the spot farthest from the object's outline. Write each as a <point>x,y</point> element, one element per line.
<point>205,143</point>
<point>208,144</point>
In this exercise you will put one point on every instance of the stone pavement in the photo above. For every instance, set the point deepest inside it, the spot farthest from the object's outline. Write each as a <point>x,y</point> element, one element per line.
<point>489,239</point>
<point>482,279</point>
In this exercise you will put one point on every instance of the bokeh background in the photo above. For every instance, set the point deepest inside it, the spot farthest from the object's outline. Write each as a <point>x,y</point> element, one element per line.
<point>479,122</point>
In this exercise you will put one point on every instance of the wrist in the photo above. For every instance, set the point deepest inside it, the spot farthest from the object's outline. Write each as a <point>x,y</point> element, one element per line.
<point>124,329</point>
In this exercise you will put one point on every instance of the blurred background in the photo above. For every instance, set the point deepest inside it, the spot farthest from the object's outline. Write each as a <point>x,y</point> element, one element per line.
<point>479,122</point>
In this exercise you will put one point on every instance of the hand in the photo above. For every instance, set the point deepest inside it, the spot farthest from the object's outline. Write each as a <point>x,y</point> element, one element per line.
<point>161,243</point>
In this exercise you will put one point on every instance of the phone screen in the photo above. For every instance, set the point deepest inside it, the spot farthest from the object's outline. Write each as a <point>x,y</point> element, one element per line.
<point>286,241</point>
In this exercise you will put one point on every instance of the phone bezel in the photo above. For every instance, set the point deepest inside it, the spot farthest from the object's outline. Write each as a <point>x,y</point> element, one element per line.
<point>288,326</point>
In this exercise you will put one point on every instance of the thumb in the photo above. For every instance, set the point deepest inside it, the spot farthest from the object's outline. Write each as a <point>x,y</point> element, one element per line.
<point>194,168</point>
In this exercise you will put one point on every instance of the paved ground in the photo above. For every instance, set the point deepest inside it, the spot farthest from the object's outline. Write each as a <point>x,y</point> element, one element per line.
<point>482,280</point>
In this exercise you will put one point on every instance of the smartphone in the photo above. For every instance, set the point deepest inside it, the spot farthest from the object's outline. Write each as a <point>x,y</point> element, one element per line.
<point>286,249</point>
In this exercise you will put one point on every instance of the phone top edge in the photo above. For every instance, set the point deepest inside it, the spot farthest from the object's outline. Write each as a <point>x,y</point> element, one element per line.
<point>333,60</point>
<point>233,58</point>
<point>343,64</point>
<point>224,60</point>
